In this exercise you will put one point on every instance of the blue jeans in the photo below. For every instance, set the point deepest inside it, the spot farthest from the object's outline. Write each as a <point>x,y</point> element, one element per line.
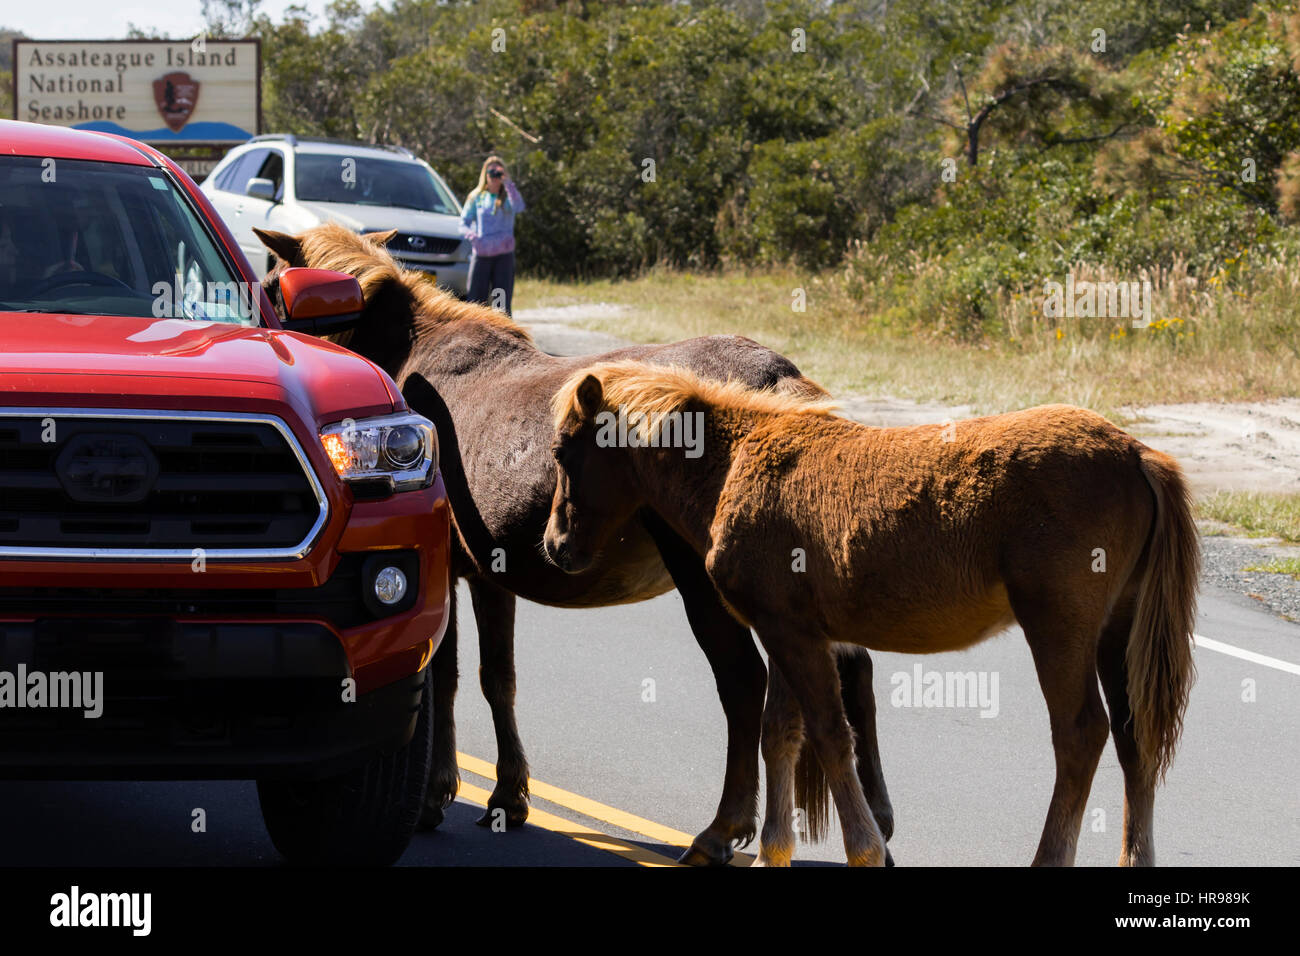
<point>487,274</point>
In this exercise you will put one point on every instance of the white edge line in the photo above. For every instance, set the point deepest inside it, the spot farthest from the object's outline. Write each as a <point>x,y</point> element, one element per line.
<point>1222,648</point>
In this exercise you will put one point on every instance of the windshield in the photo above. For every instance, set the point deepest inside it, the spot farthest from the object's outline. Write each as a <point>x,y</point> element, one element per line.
<point>95,238</point>
<point>363,181</point>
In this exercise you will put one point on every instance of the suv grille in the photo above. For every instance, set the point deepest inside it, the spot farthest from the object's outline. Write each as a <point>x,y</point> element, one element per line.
<point>405,243</point>
<point>121,482</point>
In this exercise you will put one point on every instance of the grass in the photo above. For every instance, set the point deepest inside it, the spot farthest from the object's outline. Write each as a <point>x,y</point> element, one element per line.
<point>1255,514</point>
<point>1288,566</point>
<point>1208,341</point>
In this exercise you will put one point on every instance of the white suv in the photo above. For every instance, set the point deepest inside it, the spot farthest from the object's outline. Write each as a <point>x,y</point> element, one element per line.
<point>291,183</point>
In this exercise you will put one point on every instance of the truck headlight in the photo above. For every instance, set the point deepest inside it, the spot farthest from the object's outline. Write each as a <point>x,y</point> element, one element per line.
<point>400,450</point>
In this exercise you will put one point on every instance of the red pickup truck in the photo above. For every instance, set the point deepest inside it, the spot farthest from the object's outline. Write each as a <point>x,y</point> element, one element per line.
<point>223,542</point>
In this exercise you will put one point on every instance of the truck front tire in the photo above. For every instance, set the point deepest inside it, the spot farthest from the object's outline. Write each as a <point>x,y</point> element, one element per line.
<point>364,817</point>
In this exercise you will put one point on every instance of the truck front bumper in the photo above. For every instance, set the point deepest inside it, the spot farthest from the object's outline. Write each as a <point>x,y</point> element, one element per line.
<point>160,699</point>
<point>247,670</point>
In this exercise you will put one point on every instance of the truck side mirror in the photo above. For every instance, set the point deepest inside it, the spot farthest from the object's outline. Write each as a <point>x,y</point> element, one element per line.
<point>320,301</point>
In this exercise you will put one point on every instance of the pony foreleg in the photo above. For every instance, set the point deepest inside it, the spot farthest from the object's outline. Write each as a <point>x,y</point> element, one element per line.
<point>741,680</point>
<point>809,667</point>
<point>782,740</point>
<point>494,612</point>
<point>444,774</point>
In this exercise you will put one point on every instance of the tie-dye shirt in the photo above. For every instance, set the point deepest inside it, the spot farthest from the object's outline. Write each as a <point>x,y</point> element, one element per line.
<point>491,233</point>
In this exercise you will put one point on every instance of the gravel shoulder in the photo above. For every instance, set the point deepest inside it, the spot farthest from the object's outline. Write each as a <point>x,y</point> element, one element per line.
<point>1228,563</point>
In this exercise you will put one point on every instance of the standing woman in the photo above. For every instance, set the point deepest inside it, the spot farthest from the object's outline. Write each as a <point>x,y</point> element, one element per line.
<point>488,221</point>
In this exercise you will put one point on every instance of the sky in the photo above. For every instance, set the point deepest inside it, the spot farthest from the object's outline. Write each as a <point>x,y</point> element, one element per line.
<point>100,20</point>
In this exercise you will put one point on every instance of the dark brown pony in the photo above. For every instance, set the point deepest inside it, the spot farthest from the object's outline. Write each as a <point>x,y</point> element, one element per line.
<point>915,540</point>
<point>488,389</point>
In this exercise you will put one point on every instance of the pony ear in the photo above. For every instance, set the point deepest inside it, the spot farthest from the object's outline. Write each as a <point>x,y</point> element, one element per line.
<point>380,239</point>
<point>590,394</point>
<point>285,246</point>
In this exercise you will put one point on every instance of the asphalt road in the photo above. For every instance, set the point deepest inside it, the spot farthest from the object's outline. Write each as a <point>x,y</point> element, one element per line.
<point>620,780</point>
<point>966,789</point>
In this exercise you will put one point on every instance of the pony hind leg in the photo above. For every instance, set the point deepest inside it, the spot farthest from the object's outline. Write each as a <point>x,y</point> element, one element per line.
<point>808,665</point>
<point>444,773</point>
<point>1139,783</point>
<point>811,792</point>
<point>1063,640</point>
<point>782,745</point>
<point>494,613</point>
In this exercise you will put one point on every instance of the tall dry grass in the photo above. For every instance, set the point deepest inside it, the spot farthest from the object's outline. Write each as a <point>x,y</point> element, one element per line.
<point>920,330</point>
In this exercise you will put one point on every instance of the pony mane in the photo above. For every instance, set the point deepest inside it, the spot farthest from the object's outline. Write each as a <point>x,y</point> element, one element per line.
<point>331,246</point>
<point>656,390</point>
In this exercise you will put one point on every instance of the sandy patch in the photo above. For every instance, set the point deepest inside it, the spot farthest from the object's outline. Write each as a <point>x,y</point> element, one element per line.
<point>1239,446</point>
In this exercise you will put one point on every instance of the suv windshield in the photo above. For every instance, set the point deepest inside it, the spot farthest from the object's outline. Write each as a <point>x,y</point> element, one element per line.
<point>108,239</point>
<point>371,182</point>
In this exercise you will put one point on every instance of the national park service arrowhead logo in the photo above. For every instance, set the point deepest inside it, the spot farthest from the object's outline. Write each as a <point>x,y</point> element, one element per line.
<point>177,94</point>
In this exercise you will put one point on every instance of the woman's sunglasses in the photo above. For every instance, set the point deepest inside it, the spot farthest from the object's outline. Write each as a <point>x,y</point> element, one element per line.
<point>496,173</point>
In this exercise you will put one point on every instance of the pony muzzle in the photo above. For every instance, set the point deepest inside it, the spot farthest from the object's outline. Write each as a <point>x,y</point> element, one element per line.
<point>557,550</point>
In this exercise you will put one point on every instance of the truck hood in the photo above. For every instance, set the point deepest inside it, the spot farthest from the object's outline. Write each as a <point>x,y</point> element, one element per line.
<point>380,218</point>
<point>113,361</point>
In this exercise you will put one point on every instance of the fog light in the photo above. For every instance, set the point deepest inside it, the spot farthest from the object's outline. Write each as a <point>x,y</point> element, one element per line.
<point>390,585</point>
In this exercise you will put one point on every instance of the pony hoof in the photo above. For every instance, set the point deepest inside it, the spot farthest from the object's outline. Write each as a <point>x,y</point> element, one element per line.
<point>514,818</point>
<point>699,856</point>
<point>431,818</point>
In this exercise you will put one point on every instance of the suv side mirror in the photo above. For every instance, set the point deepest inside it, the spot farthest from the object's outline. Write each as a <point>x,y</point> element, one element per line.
<point>260,189</point>
<point>319,301</point>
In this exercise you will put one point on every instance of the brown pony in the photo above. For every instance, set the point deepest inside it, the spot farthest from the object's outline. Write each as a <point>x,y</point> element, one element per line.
<point>916,540</point>
<point>488,389</point>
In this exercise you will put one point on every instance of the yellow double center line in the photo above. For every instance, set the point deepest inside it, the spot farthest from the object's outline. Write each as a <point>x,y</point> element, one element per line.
<point>588,808</point>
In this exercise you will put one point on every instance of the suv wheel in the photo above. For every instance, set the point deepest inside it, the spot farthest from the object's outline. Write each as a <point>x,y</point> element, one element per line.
<point>364,817</point>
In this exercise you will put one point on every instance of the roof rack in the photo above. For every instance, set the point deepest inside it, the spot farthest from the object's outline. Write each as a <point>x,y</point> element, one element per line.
<point>293,140</point>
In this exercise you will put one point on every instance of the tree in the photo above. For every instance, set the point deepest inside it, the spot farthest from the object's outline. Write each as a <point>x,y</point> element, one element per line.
<point>229,19</point>
<point>1028,91</point>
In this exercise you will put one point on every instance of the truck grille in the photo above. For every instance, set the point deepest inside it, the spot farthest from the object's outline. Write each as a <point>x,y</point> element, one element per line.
<point>405,243</point>
<point>155,484</point>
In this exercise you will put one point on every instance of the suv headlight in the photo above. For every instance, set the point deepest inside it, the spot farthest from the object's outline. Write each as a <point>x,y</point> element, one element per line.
<point>400,450</point>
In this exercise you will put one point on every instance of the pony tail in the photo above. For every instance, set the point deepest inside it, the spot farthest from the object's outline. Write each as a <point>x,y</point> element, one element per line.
<point>812,793</point>
<point>1159,655</point>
